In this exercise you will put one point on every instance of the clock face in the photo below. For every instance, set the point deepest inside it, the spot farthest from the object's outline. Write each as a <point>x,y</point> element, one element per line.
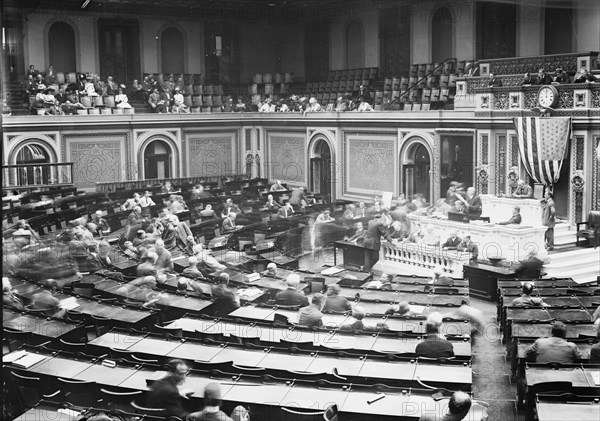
<point>546,97</point>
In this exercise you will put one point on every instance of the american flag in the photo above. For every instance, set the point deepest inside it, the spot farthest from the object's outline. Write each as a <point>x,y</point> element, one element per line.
<point>542,145</point>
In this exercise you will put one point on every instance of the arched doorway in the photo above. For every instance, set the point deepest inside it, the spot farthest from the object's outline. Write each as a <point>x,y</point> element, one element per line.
<point>171,47</point>
<point>416,171</point>
<point>61,47</point>
<point>320,170</point>
<point>442,33</point>
<point>355,46</point>
<point>30,172</point>
<point>157,160</point>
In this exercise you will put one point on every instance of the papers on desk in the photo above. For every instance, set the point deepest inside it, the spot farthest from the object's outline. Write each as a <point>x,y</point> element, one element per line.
<point>23,359</point>
<point>527,282</point>
<point>331,271</point>
<point>249,294</point>
<point>68,303</point>
<point>252,277</point>
<point>416,308</point>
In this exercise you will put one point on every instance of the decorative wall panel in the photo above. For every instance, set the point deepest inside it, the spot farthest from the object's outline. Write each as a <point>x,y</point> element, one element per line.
<point>210,155</point>
<point>287,158</point>
<point>501,164</point>
<point>98,158</point>
<point>370,163</point>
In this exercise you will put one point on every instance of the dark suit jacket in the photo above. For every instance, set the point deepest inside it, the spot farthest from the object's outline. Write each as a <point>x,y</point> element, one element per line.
<point>450,243</point>
<point>375,230</point>
<point>164,394</point>
<point>291,297</point>
<point>474,205</point>
<point>515,219</point>
<point>95,263</point>
<point>224,299</point>
<point>435,347</point>
<point>337,303</point>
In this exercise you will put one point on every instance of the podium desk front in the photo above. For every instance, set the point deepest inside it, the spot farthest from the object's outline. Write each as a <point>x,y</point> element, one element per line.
<point>483,279</point>
<point>354,255</point>
<point>500,209</point>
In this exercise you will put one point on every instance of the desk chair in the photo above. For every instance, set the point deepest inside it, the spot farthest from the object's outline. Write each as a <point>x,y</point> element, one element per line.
<point>78,392</point>
<point>16,338</point>
<point>556,387</point>
<point>592,233</point>
<point>113,400</point>
<point>28,389</point>
<point>288,414</point>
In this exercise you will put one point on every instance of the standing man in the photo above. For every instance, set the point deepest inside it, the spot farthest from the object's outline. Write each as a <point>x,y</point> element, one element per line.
<point>548,219</point>
<point>473,203</point>
<point>372,242</point>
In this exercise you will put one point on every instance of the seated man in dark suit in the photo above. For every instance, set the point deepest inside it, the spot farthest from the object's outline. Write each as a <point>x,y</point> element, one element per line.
<point>452,242</point>
<point>291,296</point>
<point>530,267</point>
<point>554,349</point>
<point>192,270</point>
<point>229,223</point>
<point>469,246</point>
<point>229,207</point>
<point>165,394</point>
<point>225,299</point>
<point>434,346</point>
<point>208,212</point>
<point>334,301</point>
<point>514,219</point>
<point>358,313</point>
<point>311,315</point>
<point>526,300</point>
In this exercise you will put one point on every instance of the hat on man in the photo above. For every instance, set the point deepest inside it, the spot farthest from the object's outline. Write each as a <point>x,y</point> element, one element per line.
<point>41,87</point>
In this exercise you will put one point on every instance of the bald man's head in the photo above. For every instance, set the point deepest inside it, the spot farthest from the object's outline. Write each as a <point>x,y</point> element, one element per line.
<point>460,403</point>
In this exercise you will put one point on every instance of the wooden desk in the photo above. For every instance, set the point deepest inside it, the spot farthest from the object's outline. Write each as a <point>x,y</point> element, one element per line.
<point>576,375</point>
<point>354,255</point>
<point>580,411</point>
<point>483,279</point>
<point>43,327</point>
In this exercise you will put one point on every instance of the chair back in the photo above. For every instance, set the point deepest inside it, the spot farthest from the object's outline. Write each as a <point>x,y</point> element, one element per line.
<point>594,219</point>
<point>113,400</point>
<point>78,392</point>
<point>295,414</point>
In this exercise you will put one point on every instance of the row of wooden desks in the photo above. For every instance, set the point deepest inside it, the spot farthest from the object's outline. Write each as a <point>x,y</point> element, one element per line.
<point>349,399</point>
<point>44,328</point>
<point>335,321</point>
<point>580,376</point>
<point>335,340</point>
<point>455,375</point>
<point>126,316</point>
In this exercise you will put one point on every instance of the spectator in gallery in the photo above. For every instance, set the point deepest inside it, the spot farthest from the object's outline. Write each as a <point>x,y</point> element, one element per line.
<point>112,87</point>
<point>71,102</point>
<point>240,106</point>
<point>341,105</point>
<point>523,190</point>
<point>51,78</point>
<point>32,71</point>
<point>100,86</point>
<point>121,99</point>
<point>561,76</point>
<point>157,103</point>
<point>313,106</point>
<point>543,78</point>
<point>363,105</point>
<point>584,77</point>
<point>514,219</point>
<point>178,105</point>
<point>528,79</point>
<point>494,81</point>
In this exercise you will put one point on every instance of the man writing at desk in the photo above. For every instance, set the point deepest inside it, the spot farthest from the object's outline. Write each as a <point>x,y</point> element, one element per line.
<point>452,242</point>
<point>523,191</point>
